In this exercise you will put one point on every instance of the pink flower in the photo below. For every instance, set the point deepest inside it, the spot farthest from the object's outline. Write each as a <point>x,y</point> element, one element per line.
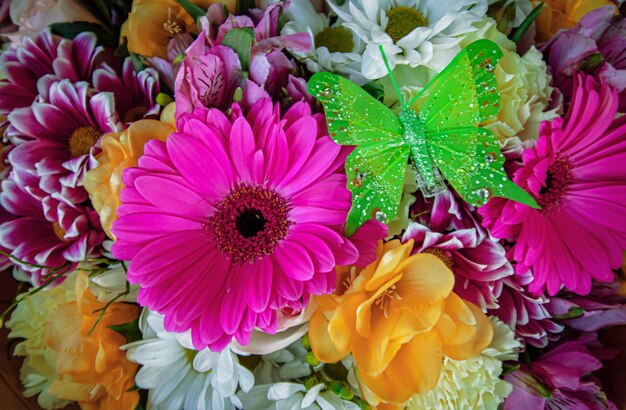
<point>596,45</point>
<point>208,78</point>
<point>230,221</point>
<point>528,315</point>
<point>50,234</point>
<point>577,173</point>
<point>560,379</point>
<point>62,134</point>
<point>600,309</point>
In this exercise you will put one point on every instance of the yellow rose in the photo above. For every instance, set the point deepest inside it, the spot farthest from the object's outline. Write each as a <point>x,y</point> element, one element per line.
<point>119,151</point>
<point>151,24</point>
<point>563,14</point>
<point>398,318</point>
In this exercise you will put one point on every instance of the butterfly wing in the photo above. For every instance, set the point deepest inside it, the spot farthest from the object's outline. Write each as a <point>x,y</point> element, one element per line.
<point>465,93</point>
<point>462,96</point>
<point>471,160</point>
<point>353,116</point>
<point>375,177</point>
<point>375,169</point>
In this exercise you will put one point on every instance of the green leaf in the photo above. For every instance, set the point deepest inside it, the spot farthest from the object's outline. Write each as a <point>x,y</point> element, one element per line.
<point>143,400</point>
<point>503,14</point>
<point>375,89</point>
<point>590,63</point>
<point>99,9</point>
<point>507,368</point>
<point>71,30</point>
<point>243,6</point>
<point>240,41</point>
<point>523,28</point>
<point>138,64</point>
<point>193,10</point>
<point>129,330</point>
<point>572,313</point>
<point>122,51</point>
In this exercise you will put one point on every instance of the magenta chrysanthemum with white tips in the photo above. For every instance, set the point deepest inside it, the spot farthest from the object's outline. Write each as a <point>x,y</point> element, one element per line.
<point>49,234</point>
<point>61,136</point>
<point>231,220</point>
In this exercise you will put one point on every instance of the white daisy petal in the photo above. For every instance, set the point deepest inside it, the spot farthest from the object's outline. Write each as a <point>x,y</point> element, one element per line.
<point>311,395</point>
<point>281,391</point>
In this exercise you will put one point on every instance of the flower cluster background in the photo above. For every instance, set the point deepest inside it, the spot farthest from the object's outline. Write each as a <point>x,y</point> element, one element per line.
<point>177,205</point>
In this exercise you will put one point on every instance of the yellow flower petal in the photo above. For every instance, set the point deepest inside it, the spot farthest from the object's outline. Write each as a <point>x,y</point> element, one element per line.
<point>462,347</point>
<point>321,343</point>
<point>388,263</point>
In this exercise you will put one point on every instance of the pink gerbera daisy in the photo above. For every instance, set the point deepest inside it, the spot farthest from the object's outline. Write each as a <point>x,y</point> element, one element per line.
<point>577,173</point>
<point>230,221</point>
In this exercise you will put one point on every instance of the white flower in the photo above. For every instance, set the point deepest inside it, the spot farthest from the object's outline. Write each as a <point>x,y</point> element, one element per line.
<point>474,383</point>
<point>290,329</point>
<point>523,82</point>
<point>334,49</point>
<point>179,377</point>
<point>411,32</point>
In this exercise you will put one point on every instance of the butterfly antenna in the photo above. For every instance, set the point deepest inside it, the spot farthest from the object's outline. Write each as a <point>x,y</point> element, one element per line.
<point>393,79</point>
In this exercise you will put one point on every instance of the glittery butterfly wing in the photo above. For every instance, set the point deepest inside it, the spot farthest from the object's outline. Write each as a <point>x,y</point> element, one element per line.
<point>375,169</point>
<point>462,96</point>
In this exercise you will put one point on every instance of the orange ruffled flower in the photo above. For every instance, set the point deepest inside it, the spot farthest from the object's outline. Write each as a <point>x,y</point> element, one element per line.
<point>397,317</point>
<point>119,151</point>
<point>151,24</point>
<point>92,370</point>
<point>563,14</point>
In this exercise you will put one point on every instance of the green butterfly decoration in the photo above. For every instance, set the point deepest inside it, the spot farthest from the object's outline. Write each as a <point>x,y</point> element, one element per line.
<point>443,138</point>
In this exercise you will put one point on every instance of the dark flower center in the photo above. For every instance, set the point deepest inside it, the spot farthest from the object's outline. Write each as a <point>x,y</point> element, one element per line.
<point>249,222</point>
<point>558,180</point>
<point>441,254</point>
<point>82,139</point>
<point>336,40</point>
<point>403,20</point>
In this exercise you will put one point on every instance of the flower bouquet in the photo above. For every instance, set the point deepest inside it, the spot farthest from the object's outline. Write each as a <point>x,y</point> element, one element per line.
<point>341,204</point>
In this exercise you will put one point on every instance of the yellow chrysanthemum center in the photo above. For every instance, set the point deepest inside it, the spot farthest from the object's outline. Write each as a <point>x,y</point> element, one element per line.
<point>82,139</point>
<point>403,20</point>
<point>448,260</point>
<point>336,40</point>
<point>58,231</point>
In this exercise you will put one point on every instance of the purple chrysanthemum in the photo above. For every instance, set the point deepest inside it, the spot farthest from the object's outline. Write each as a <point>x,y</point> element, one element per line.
<point>61,134</point>
<point>49,234</point>
<point>230,221</point>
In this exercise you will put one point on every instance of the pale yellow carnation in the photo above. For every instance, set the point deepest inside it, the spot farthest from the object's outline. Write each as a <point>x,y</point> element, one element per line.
<point>474,383</point>
<point>28,322</point>
<point>524,85</point>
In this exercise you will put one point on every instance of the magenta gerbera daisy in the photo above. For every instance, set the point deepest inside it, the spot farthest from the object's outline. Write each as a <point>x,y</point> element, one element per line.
<point>230,221</point>
<point>577,173</point>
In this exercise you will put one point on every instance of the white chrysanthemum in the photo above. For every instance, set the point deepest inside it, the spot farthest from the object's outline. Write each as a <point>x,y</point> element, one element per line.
<point>523,82</point>
<point>334,49</point>
<point>474,383</point>
<point>179,377</point>
<point>28,322</point>
<point>412,32</point>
